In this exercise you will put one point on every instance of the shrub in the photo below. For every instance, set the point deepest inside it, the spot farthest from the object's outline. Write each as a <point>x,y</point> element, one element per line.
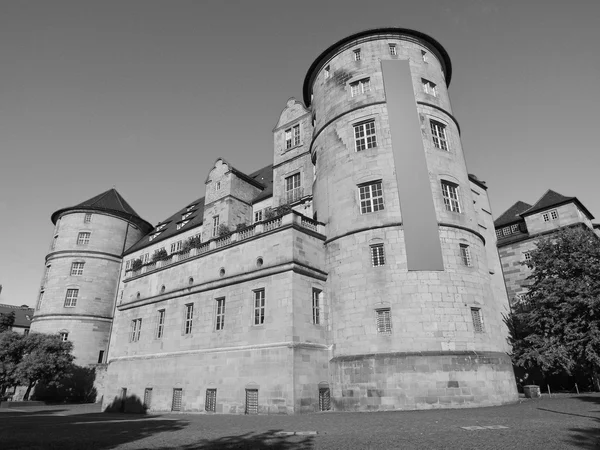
<point>136,264</point>
<point>223,230</point>
<point>159,255</point>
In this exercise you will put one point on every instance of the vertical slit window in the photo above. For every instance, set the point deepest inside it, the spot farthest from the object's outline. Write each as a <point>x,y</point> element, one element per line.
<point>189,318</point>
<point>316,306</point>
<point>220,314</point>
<point>160,324</point>
<point>259,307</point>
<point>477,320</point>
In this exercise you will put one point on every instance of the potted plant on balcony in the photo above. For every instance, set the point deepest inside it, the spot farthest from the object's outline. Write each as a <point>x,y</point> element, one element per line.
<point>159,255</point>
<point>136,264</point>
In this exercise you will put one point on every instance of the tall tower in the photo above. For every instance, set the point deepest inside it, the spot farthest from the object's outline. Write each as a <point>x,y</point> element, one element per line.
<point>80,281</point>
<point>416,321</point>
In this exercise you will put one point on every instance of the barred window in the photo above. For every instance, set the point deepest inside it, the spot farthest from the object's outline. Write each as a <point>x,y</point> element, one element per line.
<point>450,194</point>
<point>77,268</point>
<point>364,135</point>
<point>220,314</point>
<point>360,87</point>
<point>211,400</point>
<point>83,238</point>
<point>189,317</point>
<point>384,321</point>
<point>465,254</point>
<point>160,324</point>
<point>259,307</point>
<point>477,320</point>
<point>316,306</point>
<point>371,197</point>
<point>136,328</point>
<point>71,298</point>
<point>438,134</point>
<point>377,255</point>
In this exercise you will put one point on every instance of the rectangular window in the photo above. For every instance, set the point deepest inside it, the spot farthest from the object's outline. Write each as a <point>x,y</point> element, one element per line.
<point>527,256</point>
<point>477,320</point>
<point>136,328</point>
<point>251,401</point>
<point>71,298</point>
<point>465,255</point>
<point>87,218</point>
<point>327,72</point>
<point>160,324</point>
<point>384,321</point>
<point>83,238</point>
<point>258,216</point>
<point>40,300</point>
<point>364,135</point>
<point>77,268</point>
<point>499,233</point>
<point>100,356</point>
<point>554,214</point>
<point>177,396</point>
<point>47,272</point>
<point>506,231</point>
<point>296,133</point>
<point>293,189</point>
<point>128,264</point>
<point>64,336</point>
<point>146,258</point>
<point>316,306</point>
<point>259,307</point>
<point>424,55</point>
<point>377,255</point>
<point>360,87</point>
<point>288,138</point>
<point>429,87</point>
<point>218,186</point>
<point>546,217</point>
<point>514,228</point>
<point>450,194</point>
<point>371,197</point>
<point>147,398</point>
<point>438,134</point>
<point>215,228</point>
<point>393,51</point>
<point>220,314</point>
<point>210,404</point>
<point>357,54</point>
<point>189,317</point>
<point>176,246</point>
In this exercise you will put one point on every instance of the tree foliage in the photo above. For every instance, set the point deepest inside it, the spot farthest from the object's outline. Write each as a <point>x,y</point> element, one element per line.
<point>557,326</point>
<point>29,359</point>
<point>7,320</point>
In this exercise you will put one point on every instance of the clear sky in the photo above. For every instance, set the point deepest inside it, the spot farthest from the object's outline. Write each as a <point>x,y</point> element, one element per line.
<point>145,95</point>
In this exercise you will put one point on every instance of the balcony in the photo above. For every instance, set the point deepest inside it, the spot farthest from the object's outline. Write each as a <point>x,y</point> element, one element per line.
<point>290,219</point>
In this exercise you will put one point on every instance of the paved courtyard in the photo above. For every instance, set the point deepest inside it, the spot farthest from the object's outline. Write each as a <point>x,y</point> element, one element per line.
<point>561,422</point>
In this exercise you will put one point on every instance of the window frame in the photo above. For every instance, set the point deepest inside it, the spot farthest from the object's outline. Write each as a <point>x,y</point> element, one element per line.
<point>71,298</point>
<point>64,335</point>
<point>188,319</point>
<point>160,323</point>
<point>429,87</point>
<point>360,87</point>
<point>87,218</point>
<point>220,313</point>
<point>258,307</point>
<point>135,330</point>
<point>210,400</point>
<point>77,268</point>
<point>215,226</point>
<point>316,306</point>
<point>258,215</point>
<point>83,238</point>
<point>293,187</point>
<point>370,203</point>
<point>465,255</point>
<point>357,54</point>
<point>383,321</point>
<point>364,135</point>
<point>451,196</point>
<point>393,49</point>
<point>439,135</point>
<point>477,320</point>
<point>377,253</point>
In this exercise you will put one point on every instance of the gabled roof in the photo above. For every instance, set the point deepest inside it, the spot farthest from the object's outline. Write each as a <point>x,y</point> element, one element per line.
<point>551,199</point>
<point>23,314</point>
<point>262,177</point>
<point>110,201</point>
<point>512,214</point>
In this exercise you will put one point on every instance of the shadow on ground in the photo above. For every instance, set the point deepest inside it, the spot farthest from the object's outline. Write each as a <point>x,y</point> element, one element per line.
<point>587,437</point>
<point>250,441</point>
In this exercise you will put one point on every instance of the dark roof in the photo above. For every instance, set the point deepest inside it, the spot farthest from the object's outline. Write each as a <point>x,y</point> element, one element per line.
<point>23,314</point>
<point>424,39</point>
<point>512,214</point>
<point>111,202</point>
<point>262,177</point>
<point>551,199</point>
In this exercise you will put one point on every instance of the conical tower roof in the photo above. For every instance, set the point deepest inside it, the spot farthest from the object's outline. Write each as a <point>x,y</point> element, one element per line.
<point>110,202</point>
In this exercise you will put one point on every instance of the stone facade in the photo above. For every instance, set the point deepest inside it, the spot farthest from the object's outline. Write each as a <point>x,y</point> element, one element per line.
<point>313,301</point>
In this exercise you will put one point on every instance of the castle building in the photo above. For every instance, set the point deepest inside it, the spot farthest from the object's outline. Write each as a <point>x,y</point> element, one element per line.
<point>359,271</point>
<point>521,226</point>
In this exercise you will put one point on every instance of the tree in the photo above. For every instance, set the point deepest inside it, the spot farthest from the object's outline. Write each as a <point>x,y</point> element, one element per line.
<point>45,357</point>
<point>557,326</point>
<point>11,353</point>
<point>7,321</point>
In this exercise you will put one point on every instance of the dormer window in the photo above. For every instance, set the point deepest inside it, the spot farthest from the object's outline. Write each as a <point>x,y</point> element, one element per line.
<point>160,227</point>
<point>186,215</point>
<point>182,224</point>
<point>189,208</point>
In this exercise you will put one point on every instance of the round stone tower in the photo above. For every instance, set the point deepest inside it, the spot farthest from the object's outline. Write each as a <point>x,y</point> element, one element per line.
<point>79,286</point>
<point>414,322</point>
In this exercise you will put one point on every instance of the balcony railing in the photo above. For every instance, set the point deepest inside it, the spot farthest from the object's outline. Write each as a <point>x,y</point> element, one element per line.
<point>256,229</point>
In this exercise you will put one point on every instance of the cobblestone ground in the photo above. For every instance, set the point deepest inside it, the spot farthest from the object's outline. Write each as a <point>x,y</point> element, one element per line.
<point>563,422</point>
